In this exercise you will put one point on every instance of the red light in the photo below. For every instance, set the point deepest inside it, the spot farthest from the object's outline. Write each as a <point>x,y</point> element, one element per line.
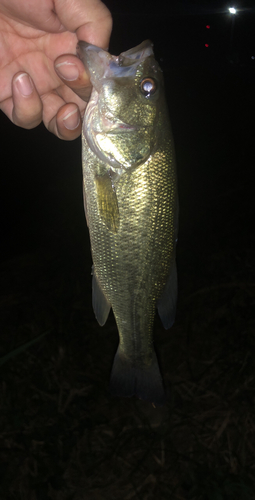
<point>206,45</point>
<point>208,26</point>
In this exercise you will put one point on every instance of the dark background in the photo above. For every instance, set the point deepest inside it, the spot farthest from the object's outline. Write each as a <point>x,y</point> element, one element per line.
<point>63,435</point>
<point>210,94</point>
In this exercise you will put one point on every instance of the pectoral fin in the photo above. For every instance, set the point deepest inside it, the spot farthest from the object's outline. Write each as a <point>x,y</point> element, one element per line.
<point>167,302</point>
<point>107,202</point>
<point>85,205</point>
<point>100,303</point>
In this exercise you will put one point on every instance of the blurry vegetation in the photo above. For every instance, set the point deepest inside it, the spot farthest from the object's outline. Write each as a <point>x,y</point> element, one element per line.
<point>64,437</point>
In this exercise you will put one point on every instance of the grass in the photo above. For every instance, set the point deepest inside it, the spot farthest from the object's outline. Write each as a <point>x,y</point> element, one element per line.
<point>62,436</point>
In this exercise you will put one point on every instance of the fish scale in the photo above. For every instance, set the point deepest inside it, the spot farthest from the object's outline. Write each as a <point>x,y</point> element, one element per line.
<point>131,212</point>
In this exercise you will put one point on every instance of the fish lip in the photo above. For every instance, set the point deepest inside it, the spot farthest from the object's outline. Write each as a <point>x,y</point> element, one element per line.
<point>119,128</point>
<point>115,128</point>
<point>108,65</point>
<point>111,124</point>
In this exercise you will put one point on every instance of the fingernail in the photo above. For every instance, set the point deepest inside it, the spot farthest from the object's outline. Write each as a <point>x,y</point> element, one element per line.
<point>67,70</point>
<point>24,84</point>
<point>72,120</point>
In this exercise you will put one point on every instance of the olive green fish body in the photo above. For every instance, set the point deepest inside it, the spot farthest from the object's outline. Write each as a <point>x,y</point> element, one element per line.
<point>131,209</point>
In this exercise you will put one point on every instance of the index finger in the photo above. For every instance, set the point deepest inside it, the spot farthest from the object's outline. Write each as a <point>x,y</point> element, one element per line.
<point>72,72</point>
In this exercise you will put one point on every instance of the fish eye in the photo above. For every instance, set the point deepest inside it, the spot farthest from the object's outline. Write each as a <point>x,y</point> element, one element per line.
<point>148,86</point>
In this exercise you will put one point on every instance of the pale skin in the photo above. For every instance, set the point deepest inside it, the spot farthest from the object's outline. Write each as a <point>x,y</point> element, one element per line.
<point>41,79</point>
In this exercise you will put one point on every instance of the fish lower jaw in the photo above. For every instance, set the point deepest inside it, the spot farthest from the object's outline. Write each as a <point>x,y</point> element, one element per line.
<point>113,126</point>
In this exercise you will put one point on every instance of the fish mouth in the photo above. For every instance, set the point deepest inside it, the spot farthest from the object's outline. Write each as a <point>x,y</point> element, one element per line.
<point>101,64</point>
<point>112,125</point>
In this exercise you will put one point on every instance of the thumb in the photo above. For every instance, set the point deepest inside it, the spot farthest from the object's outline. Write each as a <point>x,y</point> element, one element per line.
<point>90,19</point>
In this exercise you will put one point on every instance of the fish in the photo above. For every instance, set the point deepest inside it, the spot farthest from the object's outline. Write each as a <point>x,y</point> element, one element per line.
<point>131,208</point>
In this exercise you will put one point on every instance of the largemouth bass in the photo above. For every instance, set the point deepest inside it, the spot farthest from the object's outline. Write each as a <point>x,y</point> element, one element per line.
<point>131,206</point>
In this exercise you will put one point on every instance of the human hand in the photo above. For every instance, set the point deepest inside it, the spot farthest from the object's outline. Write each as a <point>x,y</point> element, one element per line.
<point>35,36</point>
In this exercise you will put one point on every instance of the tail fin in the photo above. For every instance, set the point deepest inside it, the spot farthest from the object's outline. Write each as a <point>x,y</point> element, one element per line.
<point>130,380</point>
